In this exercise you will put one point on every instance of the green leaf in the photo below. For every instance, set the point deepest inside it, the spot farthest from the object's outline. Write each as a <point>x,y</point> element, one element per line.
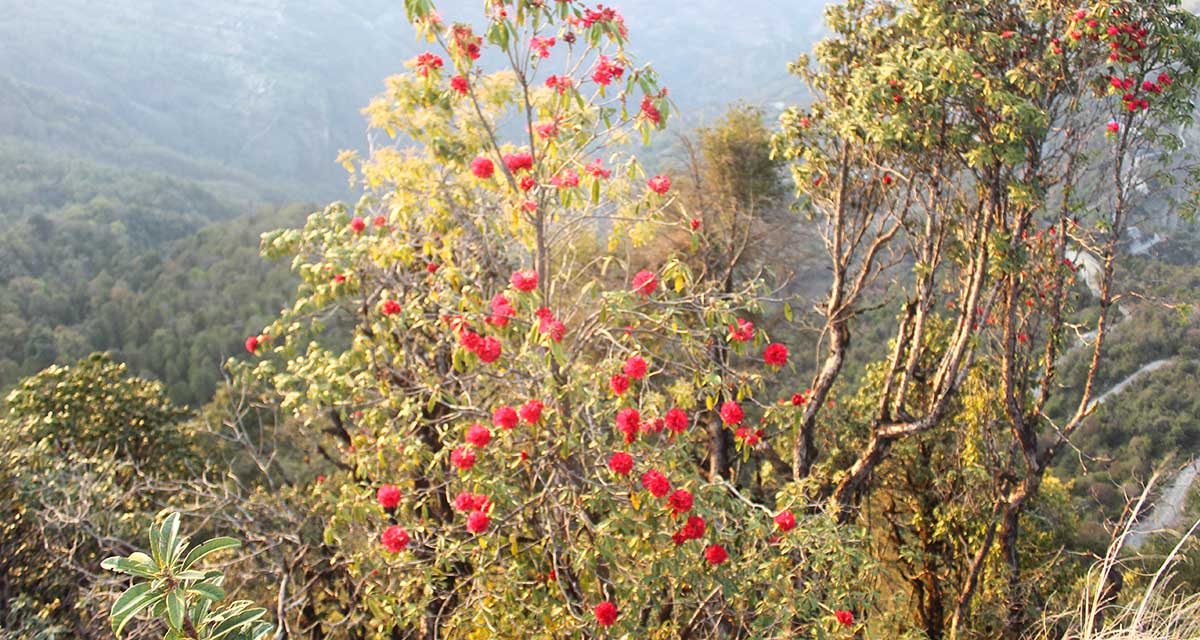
<point>210,546</point>
<point>128,566</point>
<point>130,603</point>
<point>155,532</point>
<point>167,537</point>
<point>206,590</point>
<point>175,609</point>
<point>236,621</point>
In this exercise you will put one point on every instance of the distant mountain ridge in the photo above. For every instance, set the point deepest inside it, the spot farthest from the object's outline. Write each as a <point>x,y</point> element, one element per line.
<point>274,88</point>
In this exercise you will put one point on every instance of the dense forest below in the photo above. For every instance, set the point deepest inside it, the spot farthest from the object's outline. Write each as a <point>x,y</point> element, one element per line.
<point>158,270</point>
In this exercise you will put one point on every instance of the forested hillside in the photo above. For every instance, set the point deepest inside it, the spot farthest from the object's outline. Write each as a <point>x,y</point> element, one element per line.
<point>156,269</point>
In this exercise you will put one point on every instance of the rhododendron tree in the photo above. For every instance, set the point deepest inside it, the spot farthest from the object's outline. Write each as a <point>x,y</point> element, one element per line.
<point>939,168</point>
<point>1008,143</point>
<point>516,182</point>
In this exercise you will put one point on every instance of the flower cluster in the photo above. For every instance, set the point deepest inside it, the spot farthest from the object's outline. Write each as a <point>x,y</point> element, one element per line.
<point>606,71</point>
<point>464,44</point>
<point>426,63</point>
<point>743,332</point>
<point>541,46</point>
<point>486,348</point>
<point>549,325</point>
<point>645,282</point>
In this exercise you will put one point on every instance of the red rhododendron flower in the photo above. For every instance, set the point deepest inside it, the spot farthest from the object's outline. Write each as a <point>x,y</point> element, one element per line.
<point>620,463</point>
<point>775,355</point>
<point>562,83</point>
<point>489,350</point>
<point>606,71</point>
<point>567,179</point>
<point>466,501</point>
<point>390,307</point>
<point>252,344</point>
<point>656,483</point>
<point>651,112</point>
<point>603,14</point>
<point>459,84</point>
<point>432,267</point>
<point>887,178</point>
<point>502,311</point>
<point>731,412</point>
<point>388,496</point>
<point>677,420</point>
<point>394,538</point>
<point>715,554</point>
<point>464,42</point>
<point>525,280</point>
<point>478,522</point>
<point>680,501</point>
<point>482,167</point>
<point>798,399</point>
<point>358,224</point>
<point>629,422</point>
<point>479,435</point>
<point>1114,127</point>
<point>555,328</point>
<point>380,221</point>
<point>505,417</point>
<point>546,130</point>
<point>606,613</point>
<point>786,521</point>
<point>463,458</point>
<point>635,367</point>
<point>596,170</point>
<point>341,277</point>
<point>645,282</point>
<point>659,184</point>
<point>655,426</point>
<point>695,223</point>
<point>618,383</point>
<point>427,62</point>
<point>531,411</point>
<point>518,161</point>
<point>547,324</point>
<point>744,331</point>
<point>470,341</point>
<point>526,183</point>
<point>694,528</point>
<point>844,617</point>
<point>541,46</point>
<point>749,436</point>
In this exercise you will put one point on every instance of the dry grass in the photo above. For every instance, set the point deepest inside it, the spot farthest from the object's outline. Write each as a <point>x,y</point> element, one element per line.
<point>1158,612</point>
